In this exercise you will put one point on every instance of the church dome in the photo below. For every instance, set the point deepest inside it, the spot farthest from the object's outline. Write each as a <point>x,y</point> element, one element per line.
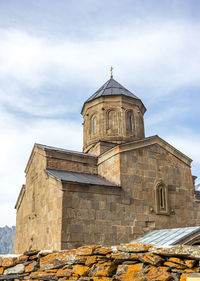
<point>112,114</point>
<point>110,88</point>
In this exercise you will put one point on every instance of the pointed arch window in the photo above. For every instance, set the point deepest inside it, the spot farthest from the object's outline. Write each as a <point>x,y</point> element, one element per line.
<point>161,199</point>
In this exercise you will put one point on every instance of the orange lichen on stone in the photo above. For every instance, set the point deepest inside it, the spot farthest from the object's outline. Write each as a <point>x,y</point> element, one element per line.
<point>91,260</point>
<point>191,270</point>
<point>31,267</point>
<point>8,262</point>
<point>86,250</point>
<point>22,259</point>
<point>56,260</point>
<point>162,268</point>
<point>130,272</point>
<point>51,270</point>
<point>34,257</point>
<point>80,259</point>
<point>135,247</point>
<point>64,272</point>
<point>102,250</point>
<point>40,274</point>
<point>103,269</point>
<point>94,278</point>
<point>124,256</point>
<point>158,274</point>
<point>72,278</point>
<point>176,260</point>
<point>174,265</point>
<point>184,277</point>
<point>151,258</point>
<point>1,270</point>
<point>190,263</point>
<point>80,270</point>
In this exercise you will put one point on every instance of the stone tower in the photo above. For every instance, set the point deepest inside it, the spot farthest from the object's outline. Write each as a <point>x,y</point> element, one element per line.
<point>112,115</point>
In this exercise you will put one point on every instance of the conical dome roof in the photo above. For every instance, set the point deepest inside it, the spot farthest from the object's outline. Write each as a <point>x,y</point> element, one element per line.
<point>111,87</point>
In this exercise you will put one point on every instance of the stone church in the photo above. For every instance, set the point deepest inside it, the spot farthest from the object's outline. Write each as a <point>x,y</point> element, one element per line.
<point>122,185</point>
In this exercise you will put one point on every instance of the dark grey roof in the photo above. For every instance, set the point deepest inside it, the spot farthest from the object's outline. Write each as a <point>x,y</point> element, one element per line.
<point>111,87</point>
<point>68,176</point>
<point>167,237</point>
<point>63,150</point>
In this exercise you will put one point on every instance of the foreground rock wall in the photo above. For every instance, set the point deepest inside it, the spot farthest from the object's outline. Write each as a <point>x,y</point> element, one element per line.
<point>125,262</point>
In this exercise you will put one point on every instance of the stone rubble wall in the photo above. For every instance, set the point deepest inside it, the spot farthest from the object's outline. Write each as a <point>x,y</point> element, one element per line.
<point>126,262</point>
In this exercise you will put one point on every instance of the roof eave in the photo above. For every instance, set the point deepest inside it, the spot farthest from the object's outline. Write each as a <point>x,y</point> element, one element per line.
<point>114,95</point>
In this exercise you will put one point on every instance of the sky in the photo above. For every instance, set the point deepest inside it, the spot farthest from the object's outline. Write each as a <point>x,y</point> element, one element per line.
<point>55,54</point>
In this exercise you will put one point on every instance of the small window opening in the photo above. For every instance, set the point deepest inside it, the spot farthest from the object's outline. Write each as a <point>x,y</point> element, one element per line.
<point>95,125</point>
<point>131,123</point>
<point>162,198</point>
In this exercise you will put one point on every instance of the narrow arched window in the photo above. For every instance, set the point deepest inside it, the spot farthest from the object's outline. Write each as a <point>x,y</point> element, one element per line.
<point>129,122</point>
<point>95,125</point>
<point>112,126</point>
<point>161,199</point>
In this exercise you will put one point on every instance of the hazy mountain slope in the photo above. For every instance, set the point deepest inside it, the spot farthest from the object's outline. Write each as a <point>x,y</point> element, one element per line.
<point>7,235</point>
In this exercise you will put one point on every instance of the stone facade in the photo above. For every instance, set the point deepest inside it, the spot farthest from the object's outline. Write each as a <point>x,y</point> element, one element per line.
<point>120,187</point>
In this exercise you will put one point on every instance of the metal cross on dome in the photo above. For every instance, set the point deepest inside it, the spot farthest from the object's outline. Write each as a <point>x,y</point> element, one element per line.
<point>111,72</point>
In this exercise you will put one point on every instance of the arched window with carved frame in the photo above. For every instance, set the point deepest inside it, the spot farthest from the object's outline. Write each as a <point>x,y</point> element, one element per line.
<point>93,124</point>
<point>161,198</point>
<point>112,121</point>
<point>129,122</point>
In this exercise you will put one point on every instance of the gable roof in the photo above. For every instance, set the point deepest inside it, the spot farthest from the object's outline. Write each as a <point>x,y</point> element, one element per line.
<point>141,143</point>
<point>68,176</point>
<point>47,147</point>
<point>167,237</point>
<point>57,149</point>
<point>111,88</point>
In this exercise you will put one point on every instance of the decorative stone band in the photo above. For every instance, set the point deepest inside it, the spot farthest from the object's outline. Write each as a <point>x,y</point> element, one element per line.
<point>125,262</point>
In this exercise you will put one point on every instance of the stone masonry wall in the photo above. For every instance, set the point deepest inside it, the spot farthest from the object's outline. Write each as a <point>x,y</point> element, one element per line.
<point>137,171</point>
<point>140,170</point>
<point>71,162</point>
<point>40,210</point>
<point>126,262</point>
<point>90,215</point>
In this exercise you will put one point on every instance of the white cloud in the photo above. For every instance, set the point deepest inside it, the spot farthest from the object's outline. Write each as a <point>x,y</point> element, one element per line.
<point>16,143</point>
<point>161,57</point>
<point>167,56</point>
<point>187,144</point>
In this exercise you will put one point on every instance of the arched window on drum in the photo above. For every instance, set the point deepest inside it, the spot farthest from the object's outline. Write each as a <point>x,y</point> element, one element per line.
<point>129,122</point>
<point>112,122</point>
<point>95,125</point>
